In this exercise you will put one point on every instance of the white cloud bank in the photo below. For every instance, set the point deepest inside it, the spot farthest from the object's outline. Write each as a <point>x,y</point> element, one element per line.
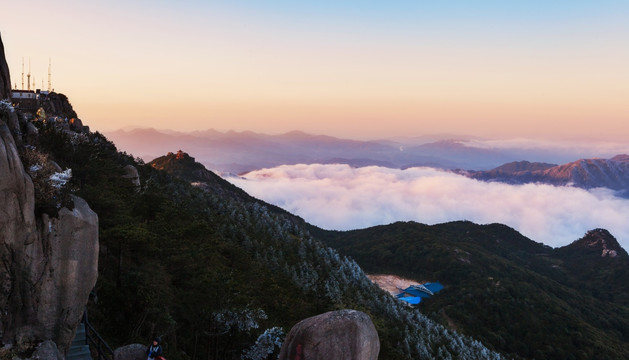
<point>342,198</point>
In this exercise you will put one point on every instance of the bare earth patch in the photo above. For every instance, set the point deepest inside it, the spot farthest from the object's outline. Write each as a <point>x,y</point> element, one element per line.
<point>392,283</point>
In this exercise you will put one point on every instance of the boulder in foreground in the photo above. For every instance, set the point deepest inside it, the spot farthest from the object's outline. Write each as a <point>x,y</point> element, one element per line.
<point>342,334</point>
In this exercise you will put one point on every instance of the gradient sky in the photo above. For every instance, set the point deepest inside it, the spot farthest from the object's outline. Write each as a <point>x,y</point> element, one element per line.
<point>360,69</point>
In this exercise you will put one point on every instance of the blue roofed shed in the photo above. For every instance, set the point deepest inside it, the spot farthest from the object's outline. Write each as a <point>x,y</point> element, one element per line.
<point>413,300</point>
<point>414,293</point>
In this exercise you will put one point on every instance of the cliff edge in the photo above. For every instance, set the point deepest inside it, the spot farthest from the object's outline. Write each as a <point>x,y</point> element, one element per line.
<point>5,78</point>
<point>48,265</point>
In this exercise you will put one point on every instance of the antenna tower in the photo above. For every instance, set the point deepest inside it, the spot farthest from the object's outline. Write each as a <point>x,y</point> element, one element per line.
<point>49,75</point>
<point>22,73</point>
<point>28,76</point>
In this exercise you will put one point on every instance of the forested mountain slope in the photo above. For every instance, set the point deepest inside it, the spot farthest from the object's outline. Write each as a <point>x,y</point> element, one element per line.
<point>210,268</point>
<point>523,298</point>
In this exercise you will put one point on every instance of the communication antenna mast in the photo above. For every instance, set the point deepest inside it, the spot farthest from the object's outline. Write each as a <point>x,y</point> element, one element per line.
<point>22,72</point>
<point>49,75</point>
<point>28,76</point>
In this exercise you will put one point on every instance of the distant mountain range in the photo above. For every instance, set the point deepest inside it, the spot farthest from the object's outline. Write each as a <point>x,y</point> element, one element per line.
<point>240,152</point>
<point>585,173</point>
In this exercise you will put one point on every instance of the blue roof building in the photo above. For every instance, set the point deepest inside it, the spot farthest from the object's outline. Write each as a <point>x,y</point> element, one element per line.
<point>414,293</point>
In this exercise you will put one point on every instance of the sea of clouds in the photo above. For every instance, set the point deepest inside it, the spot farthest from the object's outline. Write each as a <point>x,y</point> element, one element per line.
<point>339,197</point>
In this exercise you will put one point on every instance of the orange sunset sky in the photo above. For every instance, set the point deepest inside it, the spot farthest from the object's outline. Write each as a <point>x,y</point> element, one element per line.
<point>359,69</point>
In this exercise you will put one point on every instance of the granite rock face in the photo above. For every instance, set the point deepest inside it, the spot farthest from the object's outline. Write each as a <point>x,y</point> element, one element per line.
<point>48,266</point>
<point>131,352</point>
<point>342,334</point>
<point>5,78</point>
<point>47,350</point>
<point>131,173</point>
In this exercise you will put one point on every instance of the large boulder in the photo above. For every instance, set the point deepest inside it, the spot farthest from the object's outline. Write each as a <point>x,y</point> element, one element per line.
<point>342,334</point>
<point>47,350</point>
<point>48,266</point>
<point>72,241</point>
<point>5,76</point>
<point>131,352</point>
<point>131,173</point>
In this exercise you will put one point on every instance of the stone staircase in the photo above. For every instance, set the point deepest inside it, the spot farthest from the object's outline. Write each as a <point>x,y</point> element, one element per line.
<point>79,350</point>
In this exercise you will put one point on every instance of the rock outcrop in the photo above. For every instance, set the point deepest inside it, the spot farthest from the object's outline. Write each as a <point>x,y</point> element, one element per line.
<point>131,173</point>
<point>131,352</point>
<point>599,242</point>
<point>48,265</point>
<point>47,350</point>
<point>342,334</point>
<point>56,104</point>
<point>5,78</point>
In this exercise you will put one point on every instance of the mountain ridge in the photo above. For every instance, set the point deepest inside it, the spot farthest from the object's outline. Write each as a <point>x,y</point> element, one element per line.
<point>610,173</point>
<point>240,152</point>
<point>505,288</point>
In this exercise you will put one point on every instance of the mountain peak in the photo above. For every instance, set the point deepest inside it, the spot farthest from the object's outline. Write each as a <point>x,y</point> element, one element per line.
<point>600,240</point>
<point>179,163</point>
<point>621,158</point>
<point>180,155</point>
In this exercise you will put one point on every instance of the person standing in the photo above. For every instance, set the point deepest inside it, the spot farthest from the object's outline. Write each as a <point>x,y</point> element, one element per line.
<point>154,351</point>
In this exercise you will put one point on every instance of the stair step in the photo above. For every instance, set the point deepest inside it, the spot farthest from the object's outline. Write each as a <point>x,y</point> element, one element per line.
<point>79,357</point>
<point>83,349</point>
<point>78,342</point>
<point>79,353</point>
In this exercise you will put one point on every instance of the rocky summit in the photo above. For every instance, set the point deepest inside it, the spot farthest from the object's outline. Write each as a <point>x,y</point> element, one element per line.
<point>49,254</point>
<point>600,241</point>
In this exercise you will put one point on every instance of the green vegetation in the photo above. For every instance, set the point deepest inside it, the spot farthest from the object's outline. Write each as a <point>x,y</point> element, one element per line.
<point>211,269</point>
<point>522,298</point>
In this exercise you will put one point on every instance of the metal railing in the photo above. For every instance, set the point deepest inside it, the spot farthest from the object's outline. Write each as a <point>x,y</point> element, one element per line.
<point>96,342</point>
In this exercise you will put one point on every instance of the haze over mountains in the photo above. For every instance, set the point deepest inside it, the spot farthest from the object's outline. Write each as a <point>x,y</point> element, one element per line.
<point>239,152</point>
<point>372,183</point>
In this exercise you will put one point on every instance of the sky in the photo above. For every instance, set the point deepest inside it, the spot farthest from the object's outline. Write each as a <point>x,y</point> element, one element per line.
<point>339,197</point>
<point>357,69</point>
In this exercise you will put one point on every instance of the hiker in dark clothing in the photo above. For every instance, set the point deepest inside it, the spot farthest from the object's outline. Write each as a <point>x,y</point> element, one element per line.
<point>154,351</point>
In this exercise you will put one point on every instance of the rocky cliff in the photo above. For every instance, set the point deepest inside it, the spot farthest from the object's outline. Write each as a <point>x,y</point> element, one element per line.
<point>5,79</point>
<point>48,265</point>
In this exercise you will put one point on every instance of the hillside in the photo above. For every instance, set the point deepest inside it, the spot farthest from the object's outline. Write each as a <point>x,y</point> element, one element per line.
<point>188,256</point>
<point>585,173</point>
<point>522,298</point>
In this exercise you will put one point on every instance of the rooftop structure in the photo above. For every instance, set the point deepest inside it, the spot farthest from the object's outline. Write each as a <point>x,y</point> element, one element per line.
<point>415,293</point>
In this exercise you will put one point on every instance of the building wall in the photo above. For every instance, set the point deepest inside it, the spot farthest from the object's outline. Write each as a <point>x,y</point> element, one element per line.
<point>23,95</point>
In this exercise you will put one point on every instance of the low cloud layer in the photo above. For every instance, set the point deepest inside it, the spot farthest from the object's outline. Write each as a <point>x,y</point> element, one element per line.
<point>342,198</point>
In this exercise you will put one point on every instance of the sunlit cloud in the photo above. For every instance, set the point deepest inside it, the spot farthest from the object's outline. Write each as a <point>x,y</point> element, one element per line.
<point>342,198</point>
